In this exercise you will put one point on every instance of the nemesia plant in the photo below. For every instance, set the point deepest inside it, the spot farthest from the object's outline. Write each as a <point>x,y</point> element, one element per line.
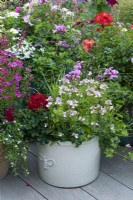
<point>14,87</point>
<point>78,109</point>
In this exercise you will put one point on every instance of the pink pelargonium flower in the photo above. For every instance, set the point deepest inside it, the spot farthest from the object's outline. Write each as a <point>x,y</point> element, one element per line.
<point>18,10</point>
<point>112,2</point>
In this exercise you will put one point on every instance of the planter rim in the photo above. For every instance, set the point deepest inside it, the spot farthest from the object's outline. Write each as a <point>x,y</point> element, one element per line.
<point>70,144</point>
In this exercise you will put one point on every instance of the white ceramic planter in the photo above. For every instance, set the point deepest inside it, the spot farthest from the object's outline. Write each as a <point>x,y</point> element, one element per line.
<point>64,165</point>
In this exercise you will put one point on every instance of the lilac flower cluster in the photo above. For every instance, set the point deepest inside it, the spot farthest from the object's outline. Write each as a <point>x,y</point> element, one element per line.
<point>59,29</point>
<point>63,44</point>
<point>112,73</point>
<point>76,73</point>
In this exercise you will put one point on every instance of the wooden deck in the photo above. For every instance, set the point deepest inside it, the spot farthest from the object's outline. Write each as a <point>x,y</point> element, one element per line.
<point>115,182</point>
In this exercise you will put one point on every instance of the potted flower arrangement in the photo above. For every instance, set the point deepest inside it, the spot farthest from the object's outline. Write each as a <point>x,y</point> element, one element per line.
<point>13,89</point>
<point>70,124</point>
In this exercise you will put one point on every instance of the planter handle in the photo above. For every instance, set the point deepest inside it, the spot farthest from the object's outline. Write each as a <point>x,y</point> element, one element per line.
<point>45,162</point>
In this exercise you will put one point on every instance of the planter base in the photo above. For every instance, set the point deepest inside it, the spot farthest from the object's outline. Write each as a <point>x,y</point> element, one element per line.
<point>67,166</point>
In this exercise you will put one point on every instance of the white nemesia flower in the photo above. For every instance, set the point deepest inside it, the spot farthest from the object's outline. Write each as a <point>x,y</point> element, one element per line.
<point>2,17</point>
<point>112,127</point>
<point>64,10</point>
<point>90,73</point>
<point>108,102</point>
<point>12,14</point>
<point>111,107</point>
<point>84,81</point>
<point>75,135</point>
<point>128,145</point>
<point>14,31</point>
<point>79,94</point>
<point>94,123</point>
<point>73,112</point>
<point>103,86</point>
<point>72,103</point>
<point>60,134</point>
<point>64,80</point>
<point>97,93</point>
<point>92,81</point>
<point>64,114</point>
<point>124,30</point>
<point>69,13</point>
<point>81,118</point>
<point>58,101</point>
<point>102,111</point>
<point>26,5</point>
<point>54,8</point>
<point>63,89</point>
<point>45,125</point>
<point>49,104</point>
<point>26,50</point>
<point>74,90</point>
<point>68,26</point>
<point>92,108</point>
<point>42,49</point>
<point>49,98</point>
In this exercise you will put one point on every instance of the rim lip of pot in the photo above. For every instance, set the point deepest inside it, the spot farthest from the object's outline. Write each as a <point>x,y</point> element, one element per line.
<point>68,143</point>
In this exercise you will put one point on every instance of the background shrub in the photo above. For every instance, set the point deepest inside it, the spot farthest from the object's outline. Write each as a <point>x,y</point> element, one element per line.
<point>125,10</point>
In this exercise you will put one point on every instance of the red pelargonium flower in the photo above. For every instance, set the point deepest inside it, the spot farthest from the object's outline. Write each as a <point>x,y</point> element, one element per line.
<point>131,26</point>
<point>104,18</point>
<point>37,101</point>
<point>112,2</point>
<point>9,113</point>
<point>88,44</point>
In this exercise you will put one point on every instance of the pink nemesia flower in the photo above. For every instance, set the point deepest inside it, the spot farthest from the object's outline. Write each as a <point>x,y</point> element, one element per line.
<point>42,1</point>
<point>26,18</point>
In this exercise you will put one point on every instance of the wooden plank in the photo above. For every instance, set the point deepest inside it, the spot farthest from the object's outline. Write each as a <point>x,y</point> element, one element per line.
<point>51,192</point>
<point>13,188</point>
<point>106,188</point>
<point>119,169</point>
<point>33,148</point>
<point>123,152</point>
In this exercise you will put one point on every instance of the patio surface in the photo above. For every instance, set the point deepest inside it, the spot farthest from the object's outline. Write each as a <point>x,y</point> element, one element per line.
<point>115,182</point>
